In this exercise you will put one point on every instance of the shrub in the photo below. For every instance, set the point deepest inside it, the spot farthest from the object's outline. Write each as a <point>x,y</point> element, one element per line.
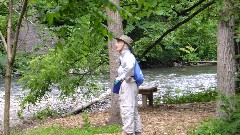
<point>228,126</point>
<point>189,97</point>
<point>47,112</point>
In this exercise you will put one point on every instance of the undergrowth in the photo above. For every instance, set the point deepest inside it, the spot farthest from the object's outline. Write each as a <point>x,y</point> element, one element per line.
<point>229,124</point>
<point>188,97</point>
<point>58,130</point>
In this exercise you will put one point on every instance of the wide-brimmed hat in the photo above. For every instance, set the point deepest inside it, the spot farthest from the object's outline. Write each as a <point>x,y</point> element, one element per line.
<point>126,39</point>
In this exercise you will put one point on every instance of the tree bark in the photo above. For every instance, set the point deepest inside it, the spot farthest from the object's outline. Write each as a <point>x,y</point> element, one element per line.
<point>7,98</point>
<point>225,58</point>
<point>11,51</point>
<point>8,72</point>
<point>115,26</point>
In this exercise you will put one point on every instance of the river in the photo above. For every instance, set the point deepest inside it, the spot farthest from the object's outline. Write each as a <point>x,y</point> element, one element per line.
<point>175,80</point>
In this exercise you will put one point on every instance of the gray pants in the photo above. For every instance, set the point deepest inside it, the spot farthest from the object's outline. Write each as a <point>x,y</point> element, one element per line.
<point>128,107</point>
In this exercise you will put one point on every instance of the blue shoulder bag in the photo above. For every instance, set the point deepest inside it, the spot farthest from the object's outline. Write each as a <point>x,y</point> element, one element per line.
<point>138,75</point>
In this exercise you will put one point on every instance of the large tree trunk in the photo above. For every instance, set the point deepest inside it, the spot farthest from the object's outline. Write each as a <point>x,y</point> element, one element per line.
<point>114,25</point>
<point>225,56</point>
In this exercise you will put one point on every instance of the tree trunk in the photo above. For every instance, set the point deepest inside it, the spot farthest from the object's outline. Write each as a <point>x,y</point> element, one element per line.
<point>225,56</point>
<point>115,26</point>
<point>11,52</point>
<point>7,98</point>
<point>8,73</point>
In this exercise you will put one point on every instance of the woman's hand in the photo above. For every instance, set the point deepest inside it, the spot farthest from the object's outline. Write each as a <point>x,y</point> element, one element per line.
<point>116,81</point>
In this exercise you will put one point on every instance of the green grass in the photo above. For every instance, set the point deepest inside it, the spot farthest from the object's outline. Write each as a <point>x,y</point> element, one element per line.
<point>189,97</point>
<point>58,130</point>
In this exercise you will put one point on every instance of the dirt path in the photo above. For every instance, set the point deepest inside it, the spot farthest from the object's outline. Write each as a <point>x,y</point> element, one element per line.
<point>160,120</point>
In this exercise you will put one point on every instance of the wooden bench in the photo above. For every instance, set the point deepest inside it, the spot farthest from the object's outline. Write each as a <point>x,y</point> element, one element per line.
<point>147,93</point>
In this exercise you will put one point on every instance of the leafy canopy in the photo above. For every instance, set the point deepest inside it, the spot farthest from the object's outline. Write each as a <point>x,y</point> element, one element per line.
<point>80,53</point>
<point>153,19</point>
<point>70,65</point>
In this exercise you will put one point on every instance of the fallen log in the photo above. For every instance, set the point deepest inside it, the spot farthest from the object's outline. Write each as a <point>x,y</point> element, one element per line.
<point>80,108</point>
<point>203,61</point>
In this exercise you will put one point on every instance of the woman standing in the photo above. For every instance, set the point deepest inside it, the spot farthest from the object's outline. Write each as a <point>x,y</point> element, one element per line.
<point>128,90</point>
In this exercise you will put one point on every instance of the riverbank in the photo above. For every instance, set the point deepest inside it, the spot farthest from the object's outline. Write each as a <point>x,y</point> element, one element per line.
<point>62,107</point>
<point>170,81</point>
<point>164,119</point>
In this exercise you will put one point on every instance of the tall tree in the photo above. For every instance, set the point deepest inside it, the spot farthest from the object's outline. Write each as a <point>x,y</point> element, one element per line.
<point>11,51</point>
<point>225,55</point>
<point>115,26</point>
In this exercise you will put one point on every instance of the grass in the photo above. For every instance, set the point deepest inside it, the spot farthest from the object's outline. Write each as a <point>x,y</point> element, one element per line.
<point>58,130</point>
<point>189,97</point>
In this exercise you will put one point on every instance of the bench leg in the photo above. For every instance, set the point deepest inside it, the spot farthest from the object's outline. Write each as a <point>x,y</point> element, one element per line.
<point>144,100</point>
<point>150,98</point>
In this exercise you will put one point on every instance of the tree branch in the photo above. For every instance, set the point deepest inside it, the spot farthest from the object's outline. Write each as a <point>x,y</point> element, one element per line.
<point>3,40</point>
<point>19,14</point>
<point>9,27</point>
<point>183,13</point>
<point>23,10</point>
<point>175,27</point>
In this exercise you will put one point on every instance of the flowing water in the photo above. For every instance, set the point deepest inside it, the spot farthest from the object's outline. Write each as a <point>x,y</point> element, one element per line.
<point>176,79</point>
<point>191,79</point>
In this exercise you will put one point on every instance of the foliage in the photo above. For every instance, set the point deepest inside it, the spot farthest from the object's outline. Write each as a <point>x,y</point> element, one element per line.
<point>21,62</point>
<point>45,113</point>
<point>80,26</point>
<point>189,97</point>
<point>59,13</point>
<point>235,11</point>
<point>86,119</point>
<point>154,18</point>
<point>3,18</point>
<point>68,13</point>
<point>73,63</point>
<point>190,54</point>
<point>228,126</point>
<point>2,62</point>
<point>217,127</point>
<point>70,131</point>
<point>80,54</point>
<point>3,24</point>
<point>148,21</point>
